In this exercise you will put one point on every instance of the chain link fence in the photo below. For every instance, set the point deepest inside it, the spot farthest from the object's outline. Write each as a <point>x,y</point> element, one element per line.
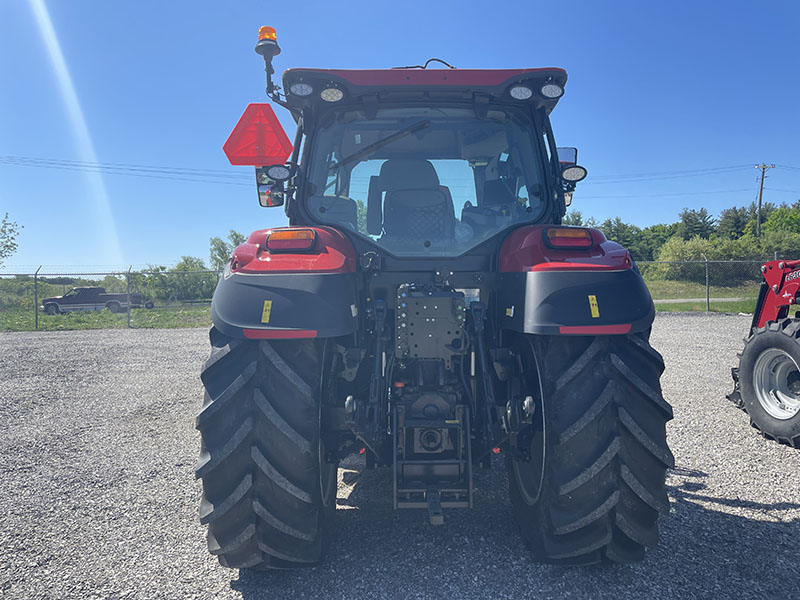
<point>703,285</point>
<point>99,300</point>
<point>169,298</point>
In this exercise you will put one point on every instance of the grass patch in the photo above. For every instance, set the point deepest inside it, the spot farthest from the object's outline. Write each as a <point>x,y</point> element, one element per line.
<point>662,290</point>
<point>165,317</point>
<point>747,305</point>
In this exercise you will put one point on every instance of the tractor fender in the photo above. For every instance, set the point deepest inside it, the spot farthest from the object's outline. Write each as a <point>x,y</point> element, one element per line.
<point>570,291</point>
<point>264,295</point>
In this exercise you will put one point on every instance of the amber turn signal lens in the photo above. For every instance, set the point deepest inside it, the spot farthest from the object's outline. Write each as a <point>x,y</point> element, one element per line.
<point>290,240</point>
<point>267,33</point>
<point>569,237</point>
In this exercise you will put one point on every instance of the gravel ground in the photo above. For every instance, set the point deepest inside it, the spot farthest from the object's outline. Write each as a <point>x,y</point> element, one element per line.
<point>98,498</point>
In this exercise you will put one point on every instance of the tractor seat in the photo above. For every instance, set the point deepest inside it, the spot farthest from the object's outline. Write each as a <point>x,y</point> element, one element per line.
<point>415,207</point>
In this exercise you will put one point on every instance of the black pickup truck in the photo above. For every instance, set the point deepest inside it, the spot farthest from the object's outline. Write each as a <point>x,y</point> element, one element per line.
<point>92,298</point>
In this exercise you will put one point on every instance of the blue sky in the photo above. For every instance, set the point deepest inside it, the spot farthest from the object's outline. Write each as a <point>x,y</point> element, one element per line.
<point>653,88</point>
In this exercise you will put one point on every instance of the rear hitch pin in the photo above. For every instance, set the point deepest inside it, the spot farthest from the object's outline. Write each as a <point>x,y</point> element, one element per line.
<point>434,507</point>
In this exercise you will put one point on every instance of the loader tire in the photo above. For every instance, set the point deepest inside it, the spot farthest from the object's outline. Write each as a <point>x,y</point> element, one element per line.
<point>603,453</point>
<point>769,381</point>
<point>268,493</point>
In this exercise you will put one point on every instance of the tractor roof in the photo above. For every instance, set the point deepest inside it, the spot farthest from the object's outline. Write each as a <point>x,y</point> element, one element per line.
<point>406,83</point>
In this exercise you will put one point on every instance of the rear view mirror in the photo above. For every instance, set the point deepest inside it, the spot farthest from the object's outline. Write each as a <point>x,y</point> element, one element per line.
<point>270,194</point>
<point>567,156</point>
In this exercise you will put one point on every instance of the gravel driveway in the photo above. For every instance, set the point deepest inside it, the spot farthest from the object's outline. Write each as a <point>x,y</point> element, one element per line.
<point>98,498</point>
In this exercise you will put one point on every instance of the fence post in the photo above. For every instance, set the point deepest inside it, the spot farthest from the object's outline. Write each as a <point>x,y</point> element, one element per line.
<point>36,297</point>
<point>128,286</point>
<point>708,289</point>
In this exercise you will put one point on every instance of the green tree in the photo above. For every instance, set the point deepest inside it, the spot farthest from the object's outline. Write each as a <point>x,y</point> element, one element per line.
<point>626,234</point>
<point>221,251</point>
<point>8,238</point>
<point>696,223</point>
<point>653,238</point>
<point>189,280</point>
<point>767,209</point>
<point>784,218</point>
<point>573,217</point>
<point>732,222</point>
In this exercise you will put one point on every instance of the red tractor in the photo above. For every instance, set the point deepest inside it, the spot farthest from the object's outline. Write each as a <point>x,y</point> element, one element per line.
<point>426,308</point>
<point>767,380</point>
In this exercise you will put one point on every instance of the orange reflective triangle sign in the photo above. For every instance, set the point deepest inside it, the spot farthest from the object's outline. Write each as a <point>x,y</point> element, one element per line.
<point>258,139</point>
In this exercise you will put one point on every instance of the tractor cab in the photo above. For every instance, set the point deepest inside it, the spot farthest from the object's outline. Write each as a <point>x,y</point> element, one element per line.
<point>417,162</point>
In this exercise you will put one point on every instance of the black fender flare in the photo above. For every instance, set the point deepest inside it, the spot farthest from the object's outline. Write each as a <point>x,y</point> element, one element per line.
<point>574,302</point>
<point>285,305</point>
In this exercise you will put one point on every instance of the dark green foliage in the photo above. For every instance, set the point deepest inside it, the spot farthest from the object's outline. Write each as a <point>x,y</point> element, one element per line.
<point>696,223</point>
<point>623,233</point>
<point>653,238</point>
<point>732,222</point>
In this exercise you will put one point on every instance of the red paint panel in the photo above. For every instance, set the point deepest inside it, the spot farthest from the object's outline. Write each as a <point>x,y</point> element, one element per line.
<point>525,249</point>
<point>595,329</point>
<point>279,334</point>
<point>258,138</point>
<point>461,77</point>
<point>784,287</point>
<point>332,253</point>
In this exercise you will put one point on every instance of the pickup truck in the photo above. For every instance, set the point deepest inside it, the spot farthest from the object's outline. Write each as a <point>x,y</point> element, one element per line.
<point>92,298</point>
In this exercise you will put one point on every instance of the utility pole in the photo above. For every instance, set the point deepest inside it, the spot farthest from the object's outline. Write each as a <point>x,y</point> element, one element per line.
<point>763,168</point>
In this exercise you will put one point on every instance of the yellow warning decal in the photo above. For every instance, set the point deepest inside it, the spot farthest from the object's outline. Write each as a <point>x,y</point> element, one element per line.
<point>593,306</point>
<point>266,311</point>
<point>510,311</point>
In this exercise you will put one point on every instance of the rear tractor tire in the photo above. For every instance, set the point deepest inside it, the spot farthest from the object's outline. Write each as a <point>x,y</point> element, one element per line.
<point>769,381</point>
<point>268,493</point>
<point>593,488</point>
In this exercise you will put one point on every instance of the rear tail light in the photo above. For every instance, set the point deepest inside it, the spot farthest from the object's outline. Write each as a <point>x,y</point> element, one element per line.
<point>568,237</point>
<point>290,240</point>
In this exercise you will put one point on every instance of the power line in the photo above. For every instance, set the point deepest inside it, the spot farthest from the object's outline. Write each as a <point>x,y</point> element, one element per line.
<point>581,197</point>
<point>147,171</point>
<point>782,190</point>
<point>223,172</point>
<point>620,179</point>
<point>675,172</point>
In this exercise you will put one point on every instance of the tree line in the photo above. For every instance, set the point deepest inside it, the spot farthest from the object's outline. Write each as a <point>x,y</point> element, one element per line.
<point>698,235</point>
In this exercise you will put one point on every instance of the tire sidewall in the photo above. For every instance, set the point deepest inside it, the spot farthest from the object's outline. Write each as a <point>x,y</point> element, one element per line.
<point>760,341</point>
